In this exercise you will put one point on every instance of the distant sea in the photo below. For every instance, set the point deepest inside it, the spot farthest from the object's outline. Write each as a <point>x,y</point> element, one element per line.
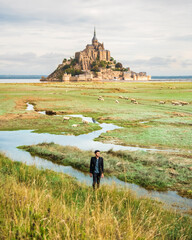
<point>36,78</point>
<point>172,78</point>
<point>20,78</point>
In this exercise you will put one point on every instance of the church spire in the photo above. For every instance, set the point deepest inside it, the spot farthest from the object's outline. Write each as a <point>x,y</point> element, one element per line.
<point>94,36</point>
<point>94,32</point>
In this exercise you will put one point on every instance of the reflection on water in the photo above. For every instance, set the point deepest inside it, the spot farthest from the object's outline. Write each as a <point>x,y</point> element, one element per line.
<point>88,119</point>
<point>10,140</point>
<point>86,141</point>
<point>30,107</point>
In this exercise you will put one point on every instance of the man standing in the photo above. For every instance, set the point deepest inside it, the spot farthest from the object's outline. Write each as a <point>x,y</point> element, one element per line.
<point>96,168</point>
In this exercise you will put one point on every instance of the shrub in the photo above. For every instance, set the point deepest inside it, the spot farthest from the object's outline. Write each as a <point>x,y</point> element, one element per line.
<point>118,65</point>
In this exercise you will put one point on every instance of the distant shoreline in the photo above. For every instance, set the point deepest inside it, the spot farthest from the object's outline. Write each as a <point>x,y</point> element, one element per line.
<point>36,79</point>
<point>130,81</point>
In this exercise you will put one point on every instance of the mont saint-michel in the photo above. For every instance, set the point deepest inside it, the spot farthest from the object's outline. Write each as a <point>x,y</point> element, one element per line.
<point>94,63</point>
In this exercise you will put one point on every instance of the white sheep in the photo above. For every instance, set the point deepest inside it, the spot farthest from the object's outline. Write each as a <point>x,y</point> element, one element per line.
<point>85,122</point>
<point>100,98</point>
<point>162,102</point>
<point>176,103</point>
<point>183,103</point>
<point>133,100</point>
<point>66,118</point>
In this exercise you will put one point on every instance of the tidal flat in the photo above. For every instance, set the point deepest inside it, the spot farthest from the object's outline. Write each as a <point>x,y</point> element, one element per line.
<point>154,171</point>
<point>154,123</point>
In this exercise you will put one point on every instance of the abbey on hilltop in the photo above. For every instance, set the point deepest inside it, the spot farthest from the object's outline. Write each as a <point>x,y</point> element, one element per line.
<point>91,53</point>
<point>93,63</point>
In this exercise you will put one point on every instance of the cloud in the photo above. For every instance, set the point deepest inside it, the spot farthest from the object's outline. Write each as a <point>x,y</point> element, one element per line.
<point>187,37</point>
<point>187,63</point>
<point>143,33</point>
<point>154,61</point>
<point>162,65</point>
<point>28,63</point>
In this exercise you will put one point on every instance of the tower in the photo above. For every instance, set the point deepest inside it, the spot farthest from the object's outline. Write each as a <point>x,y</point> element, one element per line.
<point>94,39</point>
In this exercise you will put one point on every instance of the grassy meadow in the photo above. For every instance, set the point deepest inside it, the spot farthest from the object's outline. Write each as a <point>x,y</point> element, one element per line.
<point>42,204</point>
<point>167,126</point>
<point>167,171</point>
<point>48,124</point>
<point>146,124</point>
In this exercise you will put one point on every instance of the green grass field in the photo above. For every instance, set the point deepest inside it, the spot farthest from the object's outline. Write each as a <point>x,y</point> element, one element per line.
<point>167,171</point>
<point>169,126</point>
<point>42,204</point>
<point>146,124</point>
<point>48,124</point>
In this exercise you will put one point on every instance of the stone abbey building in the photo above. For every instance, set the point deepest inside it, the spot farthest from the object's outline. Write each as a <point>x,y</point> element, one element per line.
<point>81,67</point>
<point>91,53</point>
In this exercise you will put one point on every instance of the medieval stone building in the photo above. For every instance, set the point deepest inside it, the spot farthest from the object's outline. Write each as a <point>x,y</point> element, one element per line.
<point>82,68</point>
<point>91,53</point>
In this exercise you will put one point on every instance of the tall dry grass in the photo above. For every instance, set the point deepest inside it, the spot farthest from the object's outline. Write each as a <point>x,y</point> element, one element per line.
<point>42,204</point>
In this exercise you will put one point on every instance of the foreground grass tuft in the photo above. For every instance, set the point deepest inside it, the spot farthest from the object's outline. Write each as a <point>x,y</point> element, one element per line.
<point>42,204</point>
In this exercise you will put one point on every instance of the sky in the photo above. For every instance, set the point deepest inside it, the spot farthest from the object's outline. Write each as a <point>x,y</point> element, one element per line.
<point>153,36</point>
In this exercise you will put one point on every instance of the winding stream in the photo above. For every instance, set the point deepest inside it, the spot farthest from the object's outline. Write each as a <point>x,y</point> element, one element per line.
<point>10,140</point>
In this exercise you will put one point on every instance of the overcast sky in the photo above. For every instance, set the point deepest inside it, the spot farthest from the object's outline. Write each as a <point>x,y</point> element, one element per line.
<point>154,36</point>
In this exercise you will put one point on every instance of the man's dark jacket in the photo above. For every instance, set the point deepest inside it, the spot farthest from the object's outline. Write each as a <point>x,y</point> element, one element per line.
<point>100,164</point>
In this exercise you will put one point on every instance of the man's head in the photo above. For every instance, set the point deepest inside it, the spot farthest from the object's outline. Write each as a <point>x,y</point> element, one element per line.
<point>97,153</point>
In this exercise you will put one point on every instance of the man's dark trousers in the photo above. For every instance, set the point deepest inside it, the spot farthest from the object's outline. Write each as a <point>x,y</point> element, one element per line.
<point>96,179</point>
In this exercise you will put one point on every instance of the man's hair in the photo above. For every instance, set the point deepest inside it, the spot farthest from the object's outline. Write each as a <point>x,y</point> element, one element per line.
<point>96,151</point>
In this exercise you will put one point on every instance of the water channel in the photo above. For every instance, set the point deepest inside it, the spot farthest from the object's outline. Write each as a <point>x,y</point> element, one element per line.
<point>10,140</point>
